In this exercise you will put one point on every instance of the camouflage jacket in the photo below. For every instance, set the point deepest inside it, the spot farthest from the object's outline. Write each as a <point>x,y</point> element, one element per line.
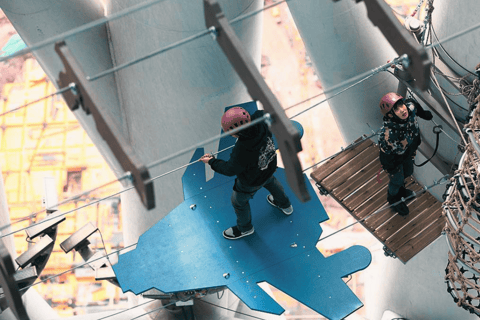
<point>399,139</point>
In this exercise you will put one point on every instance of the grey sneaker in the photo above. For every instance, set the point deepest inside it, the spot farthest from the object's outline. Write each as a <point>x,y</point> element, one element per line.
<point>234,233</point>
<point>288,211</point>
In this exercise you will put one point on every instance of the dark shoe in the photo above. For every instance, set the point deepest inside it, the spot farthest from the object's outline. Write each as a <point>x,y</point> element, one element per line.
<point>288,211</point>
<point>234,233</point>
<point>406,193</point>
<point>401,208</point>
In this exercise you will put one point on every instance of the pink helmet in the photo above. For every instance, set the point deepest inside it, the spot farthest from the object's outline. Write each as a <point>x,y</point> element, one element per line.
<point>234,118</point>
<point>388,101</point>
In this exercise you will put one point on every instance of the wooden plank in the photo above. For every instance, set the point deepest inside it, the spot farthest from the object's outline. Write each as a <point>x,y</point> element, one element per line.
<point>393,224</point>
<point>417,244</point>
<point>350,168</point>
<point>331,165</point>
<point>379,200</point>
<point>354,182</point>
<point>367,191</point>
<point>401,237</point>
<point>382,217</point>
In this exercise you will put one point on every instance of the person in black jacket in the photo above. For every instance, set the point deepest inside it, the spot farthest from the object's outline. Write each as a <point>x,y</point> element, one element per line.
<point>398,143</point>
<point>253,160</point>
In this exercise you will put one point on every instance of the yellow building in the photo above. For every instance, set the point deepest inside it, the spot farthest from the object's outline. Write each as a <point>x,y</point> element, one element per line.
<point>45,139</point>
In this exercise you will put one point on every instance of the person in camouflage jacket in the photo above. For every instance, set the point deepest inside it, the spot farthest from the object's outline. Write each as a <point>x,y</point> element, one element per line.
<point>398,142</point>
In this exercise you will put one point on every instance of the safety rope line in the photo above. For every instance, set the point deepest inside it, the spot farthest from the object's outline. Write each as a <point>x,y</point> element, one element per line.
<point>356,80</point>
<point>134,244</point>
<point>412,95</point>
<point>66,201</point>
<point>156,309</point>
<point>62,214</point>
<point>417,8</point>
<point>453,36</point>
<point>449,109</point>
<point>245,314</point>
<point>351,145</point>
<point>74,268</point>
<point>123,311</point>
<point>441,181</point>
<point>427,21</point>
<point>448,55</point>
<point>152,54</point>
<point>177,44</point>
<point>81,29</point>
<point>70,87</point>
<point>450,137</point>
<point>266,117</point>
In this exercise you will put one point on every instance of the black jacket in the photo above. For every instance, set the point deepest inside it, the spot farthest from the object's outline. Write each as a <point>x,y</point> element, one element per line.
<point>253,159</point>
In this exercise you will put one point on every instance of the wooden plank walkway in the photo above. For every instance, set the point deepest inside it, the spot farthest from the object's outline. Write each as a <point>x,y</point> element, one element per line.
<point>350,178</point>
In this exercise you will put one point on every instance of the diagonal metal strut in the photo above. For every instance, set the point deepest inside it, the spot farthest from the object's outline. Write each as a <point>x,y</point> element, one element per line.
<point>287,136</point>
<point>106,127</point>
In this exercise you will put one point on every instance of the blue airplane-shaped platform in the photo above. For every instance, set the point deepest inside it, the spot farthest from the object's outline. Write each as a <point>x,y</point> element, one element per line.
<point>187,251</point>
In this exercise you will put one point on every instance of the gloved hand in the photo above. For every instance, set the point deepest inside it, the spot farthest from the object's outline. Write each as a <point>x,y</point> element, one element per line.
<point>427,115</point>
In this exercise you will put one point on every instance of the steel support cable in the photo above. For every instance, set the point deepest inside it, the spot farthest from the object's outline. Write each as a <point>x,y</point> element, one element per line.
<point>245,314</point>
<point>417,8</point>
<point>451,58</point>
<point>123,311</point>
<point>68,200</point>
<point>150,55</point>
<point>442,180</point>
<point>177,44</point>
<point>131,187</point>
<point>70,87</point>
<point>403,81</point>
<point>449,109</point>
<point>351,145</point>
<point>356,80</point>
<point>453,36</point>
<point>128,175</point>
<point>266,118</point>
<point>63,213</point>
<point>74,268</point>
<point>82,28</point>
<point>156,309</point>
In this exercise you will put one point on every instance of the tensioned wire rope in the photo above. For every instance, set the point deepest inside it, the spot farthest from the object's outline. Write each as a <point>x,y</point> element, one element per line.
<point>72,87</point>
<point>184,151</point>
<point>62,90</point>
<point>363,77</point>
<point>113,17</point>
<point>442,180</point>
<point>266,117</point>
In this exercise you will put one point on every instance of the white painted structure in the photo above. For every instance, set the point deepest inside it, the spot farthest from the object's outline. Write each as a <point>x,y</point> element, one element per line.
<point>174,100</point>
